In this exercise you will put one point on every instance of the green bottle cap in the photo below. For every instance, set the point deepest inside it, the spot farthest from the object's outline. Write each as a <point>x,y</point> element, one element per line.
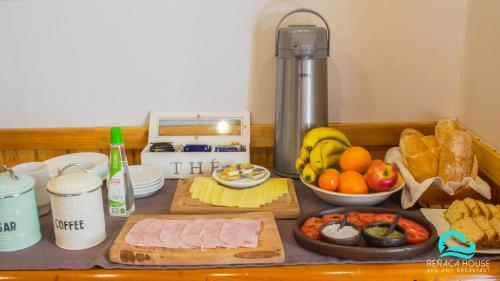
<point>116,136</point>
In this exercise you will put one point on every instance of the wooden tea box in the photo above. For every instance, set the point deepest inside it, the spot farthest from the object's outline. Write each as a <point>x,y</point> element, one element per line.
<point>198,141</point>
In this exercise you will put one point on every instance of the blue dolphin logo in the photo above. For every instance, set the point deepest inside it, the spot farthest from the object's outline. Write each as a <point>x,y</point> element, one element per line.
<point>456,251</point>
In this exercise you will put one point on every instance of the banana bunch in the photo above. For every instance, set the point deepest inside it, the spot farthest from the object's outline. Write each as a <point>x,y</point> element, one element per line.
<point>321,149</point>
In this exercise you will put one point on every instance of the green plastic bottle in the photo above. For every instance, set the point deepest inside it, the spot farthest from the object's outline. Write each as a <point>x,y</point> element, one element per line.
<point>120,191</point>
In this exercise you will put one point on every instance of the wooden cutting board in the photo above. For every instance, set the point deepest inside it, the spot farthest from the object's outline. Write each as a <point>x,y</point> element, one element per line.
<point>269,249</point>
<point>285,207</point>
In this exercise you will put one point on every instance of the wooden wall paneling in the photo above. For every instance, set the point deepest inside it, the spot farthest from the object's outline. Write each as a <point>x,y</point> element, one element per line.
<point>258,155</point>
<point>1,158</point>
<point>26,155</point>
<point>136,137</point>
<point>130,156</point>
<point>44,154</point>
<point>137,156</point>
<point>488,157</point>
<point>262,135</point>
<point>69,138</point>
<point>9,157</point>
<point>380,133</point>
<point>14,157</point>
<point>270,157</point>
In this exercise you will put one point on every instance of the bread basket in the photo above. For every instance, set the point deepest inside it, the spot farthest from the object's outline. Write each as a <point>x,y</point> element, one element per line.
<point>435,198</point>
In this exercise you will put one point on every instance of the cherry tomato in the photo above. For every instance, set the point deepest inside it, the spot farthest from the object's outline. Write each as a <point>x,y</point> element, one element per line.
<point>332,217</point>
<point>385,217</point>
<point>311,232</point>
<point>313,221</point>
<point>416,232</point>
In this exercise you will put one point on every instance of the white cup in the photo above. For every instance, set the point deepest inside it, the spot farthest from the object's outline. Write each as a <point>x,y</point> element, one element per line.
<point>40,172</point>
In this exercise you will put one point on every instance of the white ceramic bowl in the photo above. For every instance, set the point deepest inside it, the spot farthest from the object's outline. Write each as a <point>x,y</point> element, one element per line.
<point>242,183</point>
<point>344,199</point>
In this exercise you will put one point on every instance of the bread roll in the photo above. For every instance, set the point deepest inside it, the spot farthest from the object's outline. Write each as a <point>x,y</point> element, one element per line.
<point>456,157</point>
<point>410,131</point>
<point>422,166</point>
<point>432,144</point>
<point>443,127</point>
<point>417,155</point>
<point>430,141</point>
<point>411,145</point>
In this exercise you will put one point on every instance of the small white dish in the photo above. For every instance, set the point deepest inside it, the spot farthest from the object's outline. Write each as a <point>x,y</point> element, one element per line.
<point>346,199</point>
<point>243,183</point>
<point>145,192</point>
<point>141,186</point>
<point>145,174</point>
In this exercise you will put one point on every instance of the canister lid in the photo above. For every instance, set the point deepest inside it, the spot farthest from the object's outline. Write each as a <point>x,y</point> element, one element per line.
<point>74,183</point>
<point>10,186</point>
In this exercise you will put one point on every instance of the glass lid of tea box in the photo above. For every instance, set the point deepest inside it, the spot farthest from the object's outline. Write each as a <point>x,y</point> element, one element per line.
<point>207,127</point>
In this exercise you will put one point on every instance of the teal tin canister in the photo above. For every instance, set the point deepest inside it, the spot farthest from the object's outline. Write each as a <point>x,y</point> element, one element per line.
<point>19,224</point>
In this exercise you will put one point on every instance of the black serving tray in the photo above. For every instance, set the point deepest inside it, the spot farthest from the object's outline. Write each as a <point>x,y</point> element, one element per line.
<point>362,252</point>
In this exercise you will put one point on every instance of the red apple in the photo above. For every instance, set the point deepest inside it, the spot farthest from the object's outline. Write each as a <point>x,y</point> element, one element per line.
<point>381,176</point>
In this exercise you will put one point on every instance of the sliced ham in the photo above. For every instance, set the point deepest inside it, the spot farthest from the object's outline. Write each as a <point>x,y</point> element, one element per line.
<point>134,236</point>
<point>151,234</point>
<point>191,234</point>
<point>170,235</point>
<point>240,233</point>
<point>210,234</point>
<point>204,234</point>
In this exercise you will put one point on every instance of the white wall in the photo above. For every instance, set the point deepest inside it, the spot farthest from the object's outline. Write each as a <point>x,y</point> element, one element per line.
<point>479,108</point>
<point>92,63</point>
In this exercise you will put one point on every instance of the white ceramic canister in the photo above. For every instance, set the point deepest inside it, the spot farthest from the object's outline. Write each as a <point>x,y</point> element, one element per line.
<point>77,209</point>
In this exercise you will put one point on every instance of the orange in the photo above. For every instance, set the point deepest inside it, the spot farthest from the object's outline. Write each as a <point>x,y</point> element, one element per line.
<point>355,159</point>
<point>352,182</point>
<point>329,180</point>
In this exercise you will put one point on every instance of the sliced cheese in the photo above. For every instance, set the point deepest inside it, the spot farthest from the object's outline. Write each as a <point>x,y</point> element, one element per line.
<point>198,187</point>
<point>262,194</point>
<point>269,193</point>
<point>250,198</point>
<point>207,190</point>
<point>216,195</point>
<point>207,195</point>
<point>230,197</point>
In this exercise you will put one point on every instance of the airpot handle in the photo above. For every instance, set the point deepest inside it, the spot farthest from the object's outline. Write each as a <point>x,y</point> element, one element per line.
<point>303,11</point>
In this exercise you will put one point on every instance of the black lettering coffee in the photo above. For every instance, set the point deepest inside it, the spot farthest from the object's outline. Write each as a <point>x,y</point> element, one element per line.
<point>69,225</point>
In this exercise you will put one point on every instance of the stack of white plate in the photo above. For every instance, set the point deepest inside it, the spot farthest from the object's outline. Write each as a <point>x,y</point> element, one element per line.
<point>97,163</point>
<point>146,179</point>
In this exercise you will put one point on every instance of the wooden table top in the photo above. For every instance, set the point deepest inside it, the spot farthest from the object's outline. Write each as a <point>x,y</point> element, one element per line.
<point>365,272</point>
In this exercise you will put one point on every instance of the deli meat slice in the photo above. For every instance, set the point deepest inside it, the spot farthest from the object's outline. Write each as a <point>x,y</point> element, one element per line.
<point>210,234</point>
<point>191,234</point>
<point>186,234</point>
<point>170,235</point>
<point>240,233</point>
<point>134,236</point>
<point>151,234</point>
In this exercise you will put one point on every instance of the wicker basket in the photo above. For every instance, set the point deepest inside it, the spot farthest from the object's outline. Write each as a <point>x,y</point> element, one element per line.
<point>434,197</point>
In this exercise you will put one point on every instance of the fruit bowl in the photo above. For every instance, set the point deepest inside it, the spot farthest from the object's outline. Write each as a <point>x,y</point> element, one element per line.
<point>346,199</point>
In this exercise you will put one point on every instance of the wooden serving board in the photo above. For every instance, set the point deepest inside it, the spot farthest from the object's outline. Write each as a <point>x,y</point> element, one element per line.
<point>269,249</point>
<point>285,207</point>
